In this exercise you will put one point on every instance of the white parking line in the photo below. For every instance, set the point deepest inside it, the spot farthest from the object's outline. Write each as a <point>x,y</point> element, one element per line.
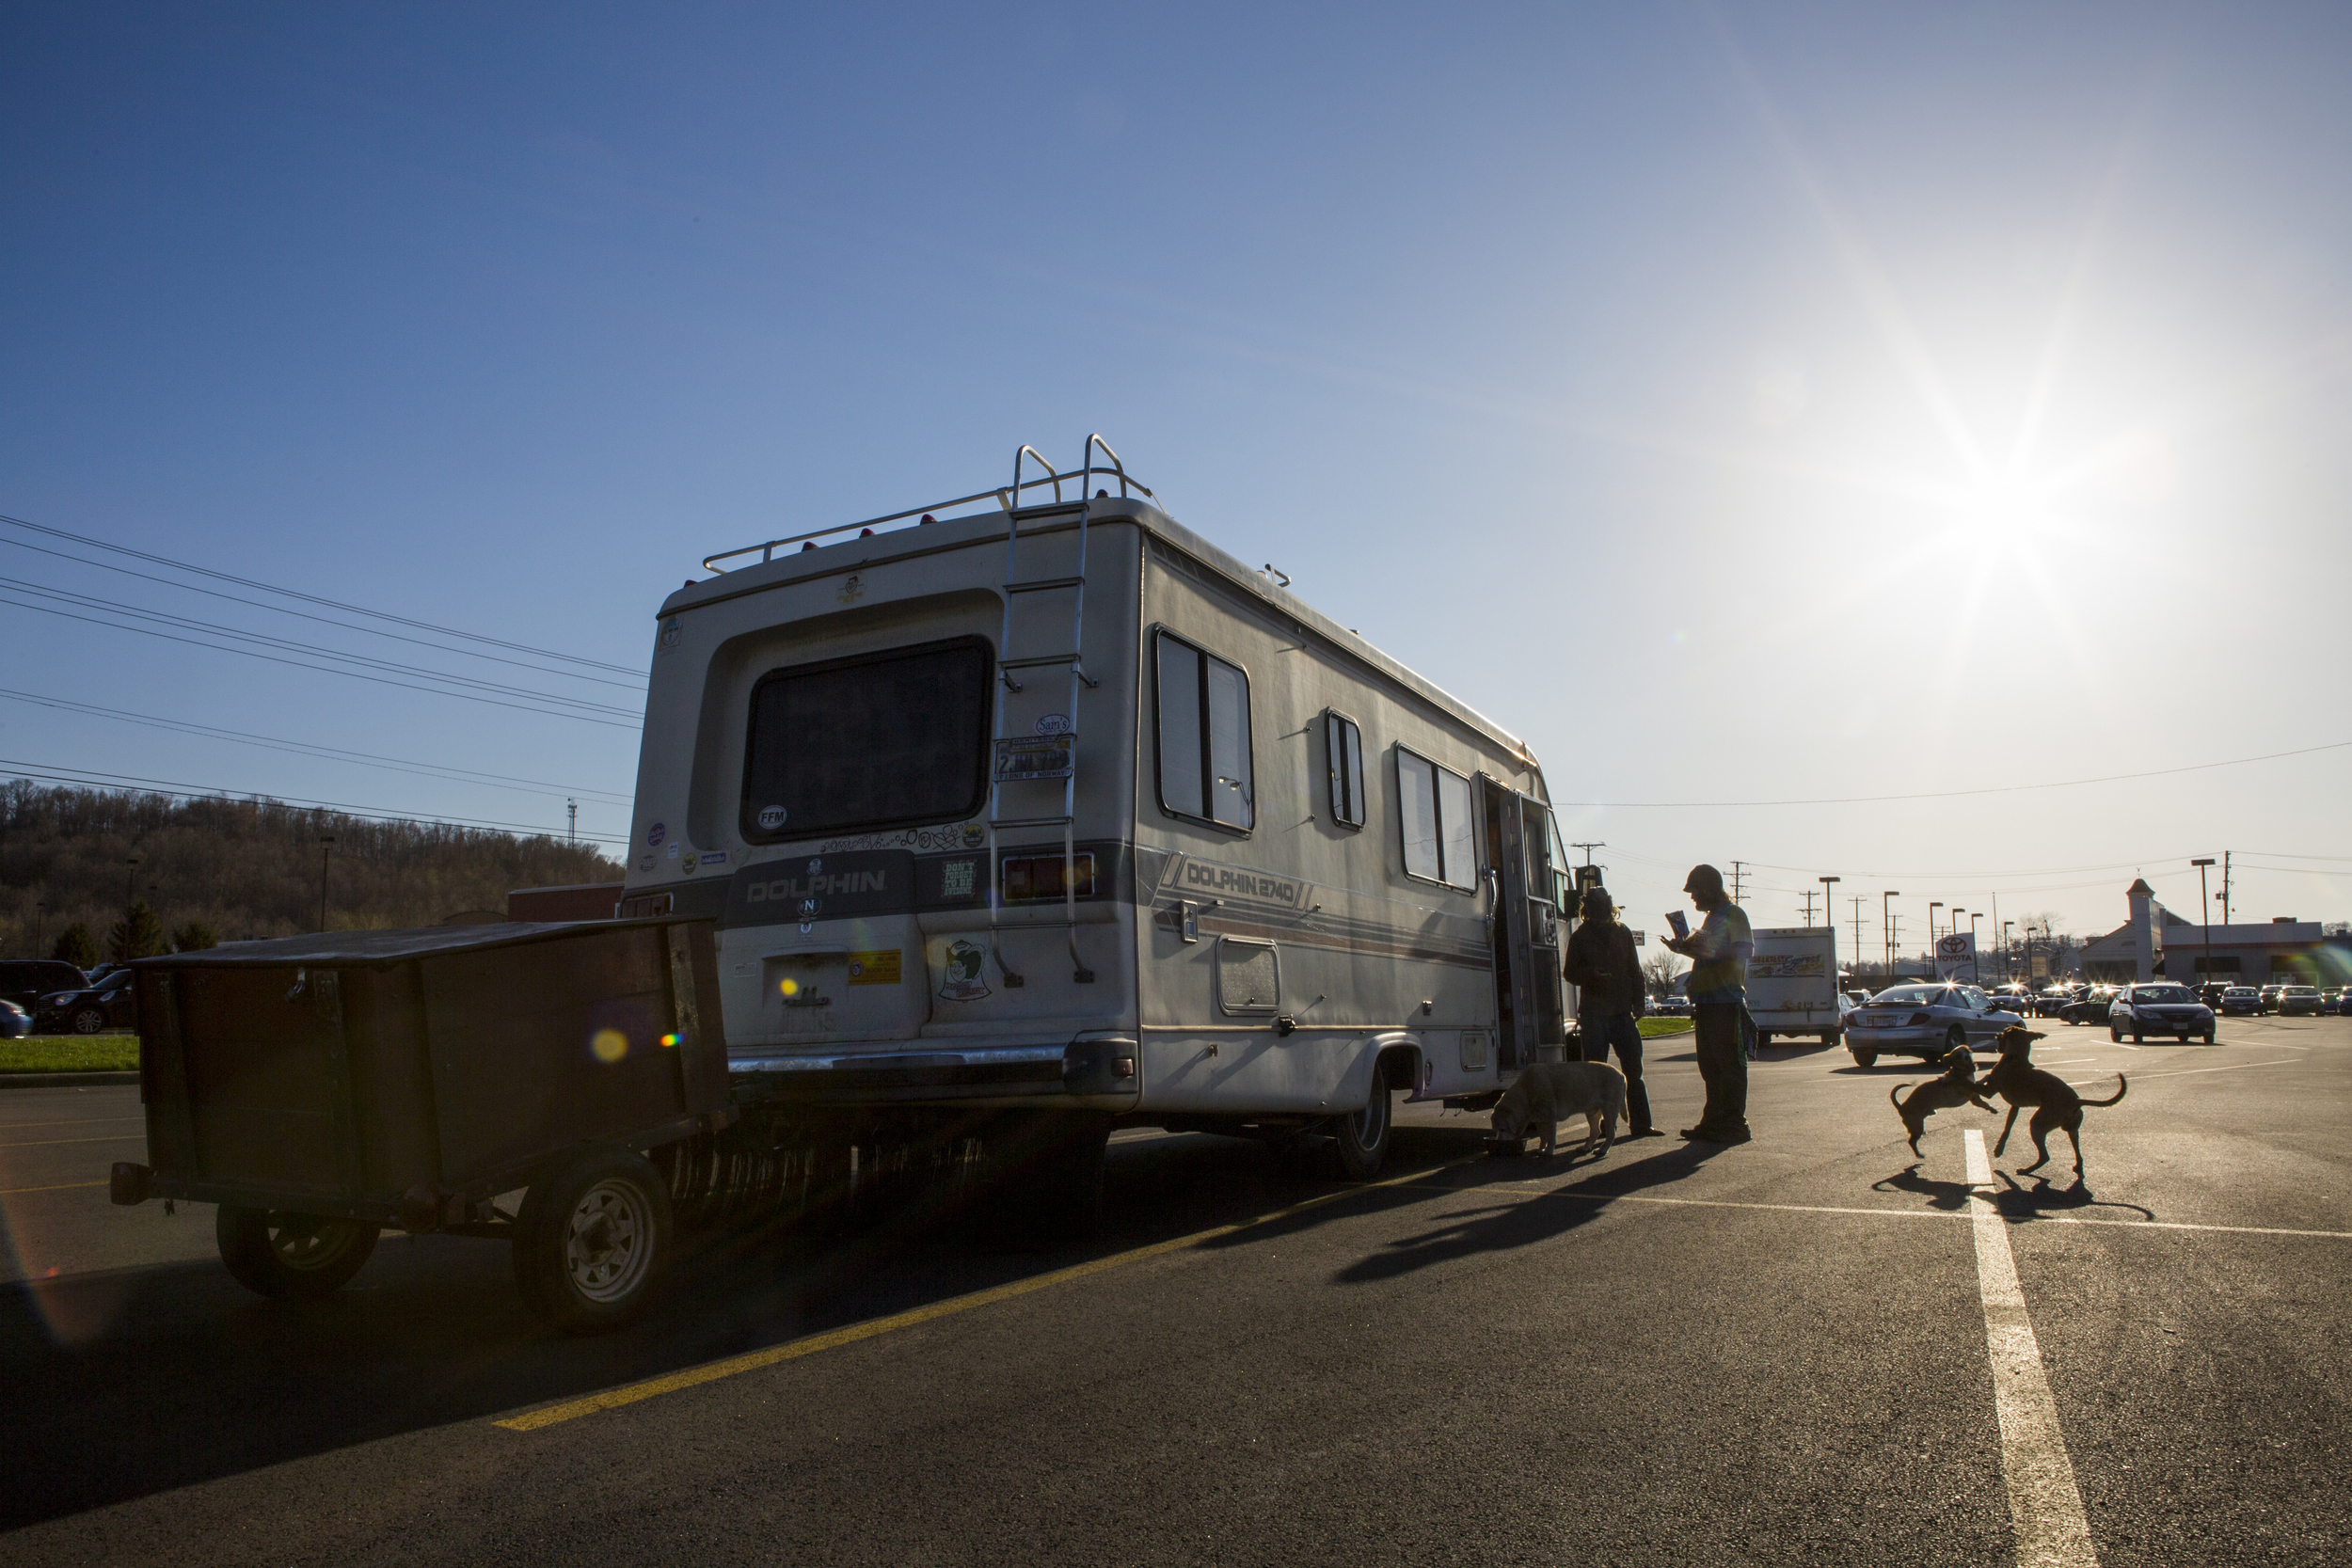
<point>2046,1508</point>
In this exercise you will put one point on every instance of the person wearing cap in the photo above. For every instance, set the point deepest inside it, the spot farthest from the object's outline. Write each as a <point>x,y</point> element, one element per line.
<point>1606,971</point>
<point>1719,953</point>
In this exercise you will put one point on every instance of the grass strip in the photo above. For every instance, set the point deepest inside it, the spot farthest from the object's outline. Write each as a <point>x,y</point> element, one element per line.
<point>70,1053</point>
<point>1652,1027</point>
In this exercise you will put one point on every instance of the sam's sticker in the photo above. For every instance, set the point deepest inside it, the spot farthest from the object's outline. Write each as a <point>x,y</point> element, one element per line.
<point>655,834</point>
<point>874,969</point>
<point>961,963</point>
<point>770,818</point>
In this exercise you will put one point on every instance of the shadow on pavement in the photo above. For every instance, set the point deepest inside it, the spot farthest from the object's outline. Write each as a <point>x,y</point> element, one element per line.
<point>136,1381</point>
<point>1527,1221</point>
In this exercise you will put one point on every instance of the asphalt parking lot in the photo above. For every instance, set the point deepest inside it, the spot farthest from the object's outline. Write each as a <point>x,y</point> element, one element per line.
<point>1802,1350</point>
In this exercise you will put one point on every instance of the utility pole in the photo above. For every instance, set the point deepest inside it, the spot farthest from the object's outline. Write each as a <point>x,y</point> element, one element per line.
<point>1897,934</point>
<point>2225,887</point>
<point>1809,907</point>
<point>571,832</point>
<point>130,895</point>
<point>1735,882</point>
<point>326,848</point>
<point>1886,930</point>
<point>1857,927</point>
<point>2205,911</point>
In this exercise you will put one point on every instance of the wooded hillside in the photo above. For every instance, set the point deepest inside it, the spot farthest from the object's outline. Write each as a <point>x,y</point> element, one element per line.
<point>248,869</point>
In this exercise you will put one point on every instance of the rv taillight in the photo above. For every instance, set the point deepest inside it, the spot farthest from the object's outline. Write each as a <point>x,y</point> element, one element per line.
<point>1122,1067</point>
<point>810,546</point>
<point>866,534</point>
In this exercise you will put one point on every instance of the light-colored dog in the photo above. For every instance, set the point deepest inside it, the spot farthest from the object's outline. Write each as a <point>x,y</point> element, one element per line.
<point>1547,1093</point>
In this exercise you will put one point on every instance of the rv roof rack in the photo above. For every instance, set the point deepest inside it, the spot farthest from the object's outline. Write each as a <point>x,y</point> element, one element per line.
<point>1005,498</point>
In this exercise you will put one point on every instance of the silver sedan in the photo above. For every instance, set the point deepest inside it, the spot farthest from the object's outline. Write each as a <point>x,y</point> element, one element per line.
<point>1924,1021</point>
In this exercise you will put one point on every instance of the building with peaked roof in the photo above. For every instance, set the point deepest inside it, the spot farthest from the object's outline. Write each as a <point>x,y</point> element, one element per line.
<point>2157,943</point>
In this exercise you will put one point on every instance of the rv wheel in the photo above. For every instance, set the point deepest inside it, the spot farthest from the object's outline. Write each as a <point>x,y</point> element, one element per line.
<point>593,1242</point>
<point>291,1257</point>
<point>1360,1143</point>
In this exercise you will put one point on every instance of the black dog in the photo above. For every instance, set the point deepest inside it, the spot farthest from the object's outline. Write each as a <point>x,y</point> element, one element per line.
<point>2015,1079</point>
<point>1957,1088</point>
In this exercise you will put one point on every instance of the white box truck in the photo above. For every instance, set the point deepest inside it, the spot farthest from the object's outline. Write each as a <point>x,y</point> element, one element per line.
<point>1792,984</point>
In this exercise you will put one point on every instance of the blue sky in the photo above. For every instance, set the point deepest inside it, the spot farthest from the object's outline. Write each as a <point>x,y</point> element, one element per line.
<point>1745,403</point>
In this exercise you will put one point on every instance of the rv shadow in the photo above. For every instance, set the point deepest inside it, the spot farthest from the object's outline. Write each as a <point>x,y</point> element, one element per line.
<point>1514,1223</point>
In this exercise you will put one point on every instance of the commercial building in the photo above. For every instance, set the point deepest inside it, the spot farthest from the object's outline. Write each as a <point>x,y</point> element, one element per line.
<point>2155,942</point>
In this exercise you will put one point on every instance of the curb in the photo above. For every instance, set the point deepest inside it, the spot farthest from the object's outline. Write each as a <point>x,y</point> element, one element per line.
<point>64,1080</point>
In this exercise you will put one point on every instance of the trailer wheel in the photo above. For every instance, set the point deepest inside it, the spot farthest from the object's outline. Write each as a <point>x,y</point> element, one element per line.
<point>592,1242</point>
<point>291,1257</point>
<point>1360,1143</point>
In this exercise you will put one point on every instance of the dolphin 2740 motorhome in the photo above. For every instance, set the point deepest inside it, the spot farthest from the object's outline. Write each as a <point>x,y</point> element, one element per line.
<point>1055,815</point>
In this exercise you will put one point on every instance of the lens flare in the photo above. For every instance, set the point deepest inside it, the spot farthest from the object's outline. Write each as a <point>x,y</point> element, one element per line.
<point>609,1045</point>
<point>668,1040</point>
<point>788,986</point>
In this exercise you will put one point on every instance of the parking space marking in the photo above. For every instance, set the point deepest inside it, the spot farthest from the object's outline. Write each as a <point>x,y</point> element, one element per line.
<point>52,1143</point>
<point>2046,1508</point>
<point>690,1377</point>
<point>73,1121</point>
<point>60,1187</point>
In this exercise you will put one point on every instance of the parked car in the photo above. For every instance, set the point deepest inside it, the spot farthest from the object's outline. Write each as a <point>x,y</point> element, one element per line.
<point>2299,1001</point>
<point>1673,1006</point>
<point>2052,1000</point>
<point>25,981</point>
<point>1857,997</point>
<point>1924,1021</point>
<point>2088,1007</point>
<point>2241,1002</point>
<point>2270,997</point>
<point>2211,992</point>
<point>110,1000</point>
<point>2163,1007</point>
<point>15,1022</point>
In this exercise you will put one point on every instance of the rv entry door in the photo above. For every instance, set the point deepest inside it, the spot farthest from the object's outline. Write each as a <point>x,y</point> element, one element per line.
<point>1530,1007</point>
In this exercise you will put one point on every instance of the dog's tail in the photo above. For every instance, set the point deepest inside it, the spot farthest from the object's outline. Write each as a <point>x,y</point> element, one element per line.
<point>1894,1096</point>
<point>2122,1085</point>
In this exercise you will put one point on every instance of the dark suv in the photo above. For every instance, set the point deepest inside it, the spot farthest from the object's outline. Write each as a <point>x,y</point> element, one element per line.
<point>25,981</point>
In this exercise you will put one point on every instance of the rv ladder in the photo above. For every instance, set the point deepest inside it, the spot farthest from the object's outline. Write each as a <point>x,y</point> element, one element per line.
<point>1001,773</point>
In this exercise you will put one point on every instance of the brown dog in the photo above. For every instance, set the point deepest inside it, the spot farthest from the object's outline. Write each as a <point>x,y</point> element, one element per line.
<point>1957,1088</point>
<point>2055,1105</point>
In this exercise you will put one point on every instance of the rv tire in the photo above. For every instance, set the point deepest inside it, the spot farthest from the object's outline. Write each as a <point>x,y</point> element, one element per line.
<point>1360,1142</point>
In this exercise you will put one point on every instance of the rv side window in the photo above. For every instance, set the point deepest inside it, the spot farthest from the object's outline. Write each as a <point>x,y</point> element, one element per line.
<point>1434,807</point>
<point>1204,736</point>
<point>878,740</point>
<point>1343,751</point>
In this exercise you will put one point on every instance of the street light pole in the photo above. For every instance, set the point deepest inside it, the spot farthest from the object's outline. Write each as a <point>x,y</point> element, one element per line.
<point>1975,976</point>
<point>2204,915</point>
<point>2007,976</point>
<point>130,894</point>
<point>326,848</point>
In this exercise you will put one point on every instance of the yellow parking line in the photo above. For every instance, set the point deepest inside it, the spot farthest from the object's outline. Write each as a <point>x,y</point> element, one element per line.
<point>61,1187</point>
<point>631,1393</point>
<point>70,1121</point>
<point>51,1142</point>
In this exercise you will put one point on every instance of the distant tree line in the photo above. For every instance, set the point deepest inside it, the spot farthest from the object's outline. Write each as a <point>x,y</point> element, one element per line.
<point>215,869</point>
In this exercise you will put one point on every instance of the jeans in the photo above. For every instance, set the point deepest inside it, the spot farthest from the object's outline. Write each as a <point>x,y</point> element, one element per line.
<point>1602,1030</point>
<point>1724,1067</point>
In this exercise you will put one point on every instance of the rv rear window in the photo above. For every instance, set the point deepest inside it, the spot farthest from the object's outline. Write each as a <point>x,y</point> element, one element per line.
<point>879,740</point>
<point>1434,808</point>
<point>1204,736</point>
<point>1344,748</point>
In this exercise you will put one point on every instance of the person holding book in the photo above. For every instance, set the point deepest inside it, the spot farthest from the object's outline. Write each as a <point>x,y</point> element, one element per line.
<point>1718,951</point>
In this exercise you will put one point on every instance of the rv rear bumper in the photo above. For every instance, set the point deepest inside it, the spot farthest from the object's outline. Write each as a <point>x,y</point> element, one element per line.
<point>1093,1072</point>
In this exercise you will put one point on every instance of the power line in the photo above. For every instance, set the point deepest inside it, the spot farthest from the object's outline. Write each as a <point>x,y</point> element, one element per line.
<point>318,650</point>
<point>322,620</point>
<point>310,598</point>
<point>304,748</point>
<point>323,669</point>
<point>87,778</point>
<point>1952,793</point>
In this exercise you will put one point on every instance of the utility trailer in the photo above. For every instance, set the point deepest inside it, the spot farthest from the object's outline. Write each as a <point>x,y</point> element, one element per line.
<point>543,1084</point>
<point>1023,823</point>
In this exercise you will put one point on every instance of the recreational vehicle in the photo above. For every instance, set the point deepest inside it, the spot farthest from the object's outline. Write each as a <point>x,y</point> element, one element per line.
<point>1054,810</point>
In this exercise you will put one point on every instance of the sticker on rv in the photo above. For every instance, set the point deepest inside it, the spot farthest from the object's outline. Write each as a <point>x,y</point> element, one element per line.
<point>974,835</point>
<point>669,633</point>
<point>771,818</point>
<point>961,964</point>
<point>1054,724</point>
<point>644,862</point>
<point>714,857</point>
<point>1023,757</point>
<point>654,836</point>
<point>874,969</point>
<point>691,860</point>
